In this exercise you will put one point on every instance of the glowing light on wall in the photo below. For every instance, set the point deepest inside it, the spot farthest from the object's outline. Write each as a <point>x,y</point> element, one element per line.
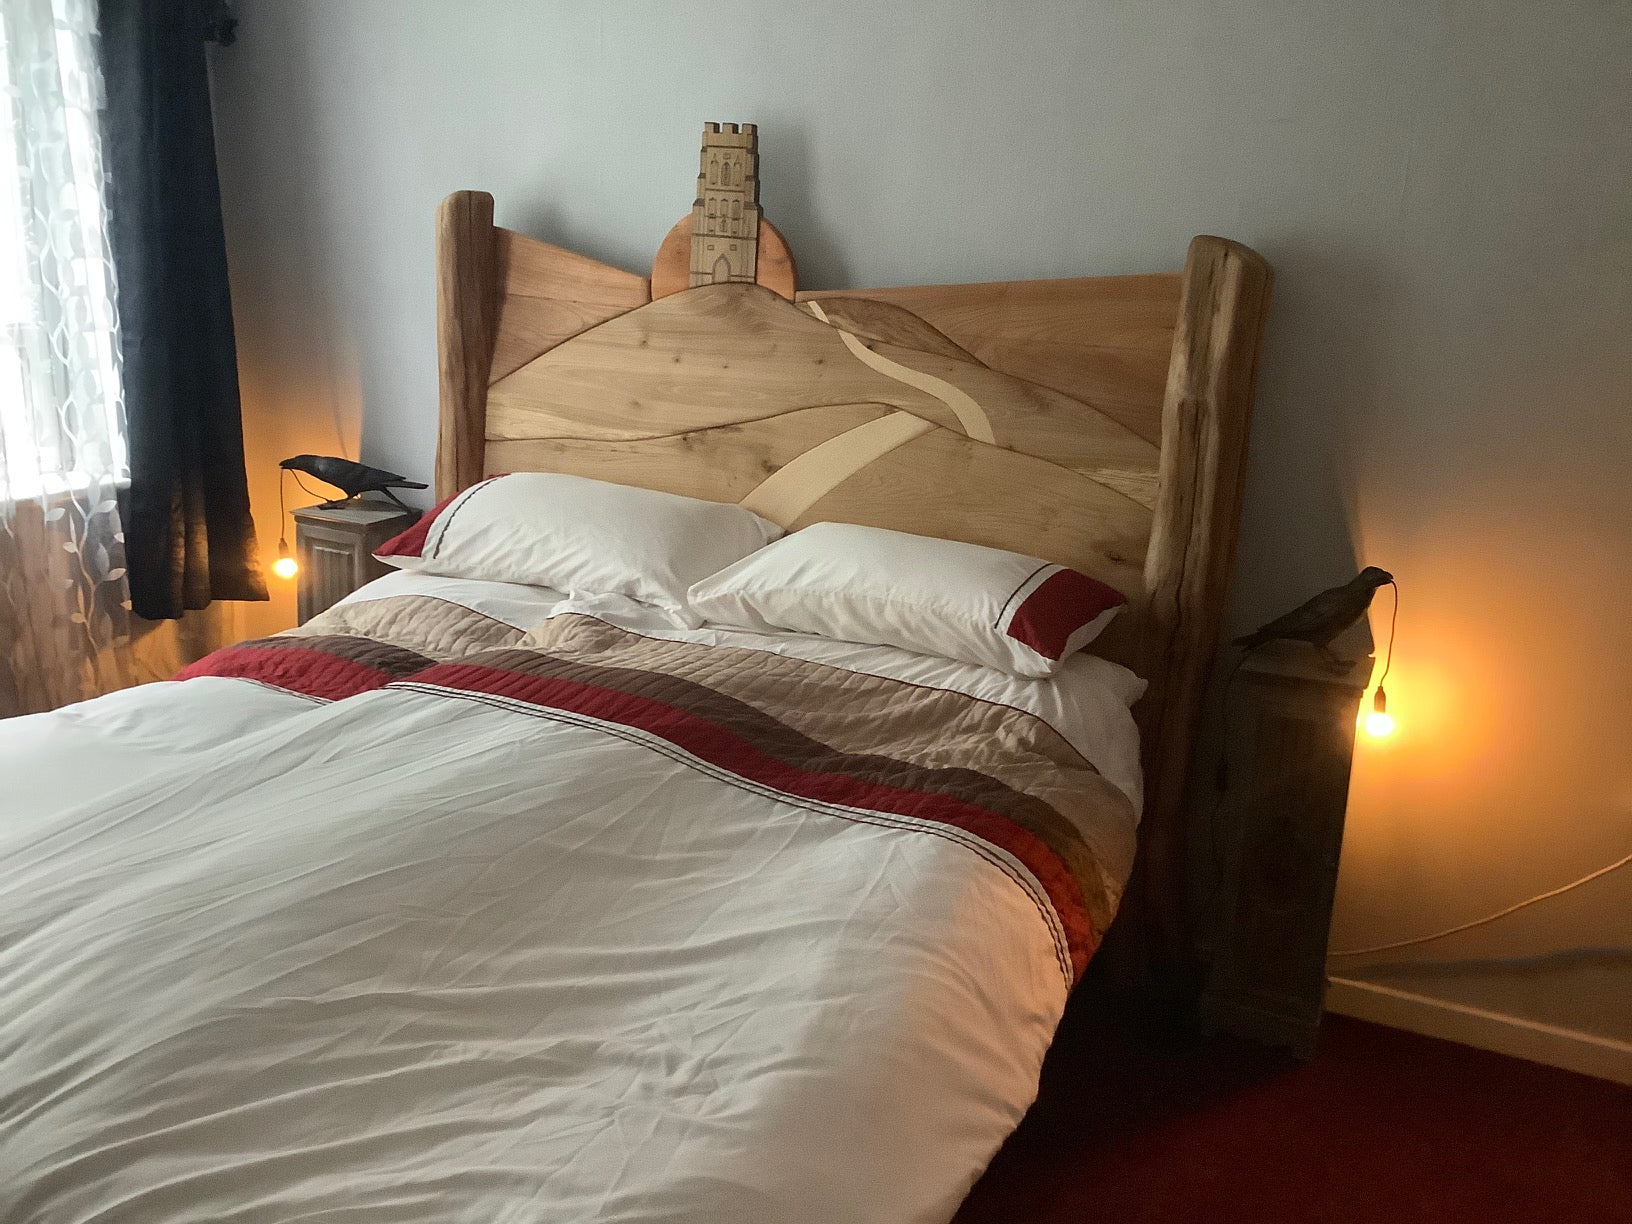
<point>285,566</point>
<point>1379,723</point>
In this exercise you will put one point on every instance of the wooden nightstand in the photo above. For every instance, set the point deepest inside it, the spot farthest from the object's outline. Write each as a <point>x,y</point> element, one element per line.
<point>1289,737</point>
<point>335,548</point>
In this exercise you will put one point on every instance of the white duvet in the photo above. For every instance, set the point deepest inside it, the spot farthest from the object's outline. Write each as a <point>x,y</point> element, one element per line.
<point>404,957</point>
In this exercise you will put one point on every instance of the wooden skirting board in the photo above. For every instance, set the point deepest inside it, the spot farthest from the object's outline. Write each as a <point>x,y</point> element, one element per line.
<point>1572,1049</point>
<point>1096,422</point>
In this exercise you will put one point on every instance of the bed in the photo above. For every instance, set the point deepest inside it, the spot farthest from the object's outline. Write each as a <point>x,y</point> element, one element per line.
<point>478,900</point>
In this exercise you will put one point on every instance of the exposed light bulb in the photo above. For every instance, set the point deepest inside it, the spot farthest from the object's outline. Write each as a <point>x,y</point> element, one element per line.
<point>1379,723</point>
<point>285,566</point>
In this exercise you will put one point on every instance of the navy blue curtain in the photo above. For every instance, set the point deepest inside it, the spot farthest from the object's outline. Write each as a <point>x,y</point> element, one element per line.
<point>189,537</point>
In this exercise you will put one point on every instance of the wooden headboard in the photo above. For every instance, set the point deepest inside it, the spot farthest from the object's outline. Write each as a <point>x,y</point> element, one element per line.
<point>1096,422</point>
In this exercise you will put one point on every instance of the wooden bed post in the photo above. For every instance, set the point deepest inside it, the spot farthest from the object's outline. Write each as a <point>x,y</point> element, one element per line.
<point>1205,419</point>
<point>466,310</point>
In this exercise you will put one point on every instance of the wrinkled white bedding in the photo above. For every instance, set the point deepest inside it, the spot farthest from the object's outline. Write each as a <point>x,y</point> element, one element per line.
<point>405,957</point>
<point>510,602</point>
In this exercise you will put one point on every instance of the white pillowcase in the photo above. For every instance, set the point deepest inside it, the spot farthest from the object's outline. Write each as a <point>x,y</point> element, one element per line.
<point>958,601</point>
<point>581,536</point>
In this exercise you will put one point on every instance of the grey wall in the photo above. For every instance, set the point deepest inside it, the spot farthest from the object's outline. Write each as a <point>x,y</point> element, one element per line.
<point>1442,189</point>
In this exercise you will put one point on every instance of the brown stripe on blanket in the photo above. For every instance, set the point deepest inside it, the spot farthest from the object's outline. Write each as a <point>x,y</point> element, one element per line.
<point>882,716</point>
<point>774,736</point>
<point>436,628</point>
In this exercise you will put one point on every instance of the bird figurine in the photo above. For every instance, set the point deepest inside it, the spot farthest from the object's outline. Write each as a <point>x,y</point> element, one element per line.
<point>353,479</point>
<point>1321,618</point>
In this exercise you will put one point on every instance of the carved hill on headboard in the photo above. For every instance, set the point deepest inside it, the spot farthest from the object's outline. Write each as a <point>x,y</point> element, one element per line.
<point>732,393</point>
<point>1098,422</point>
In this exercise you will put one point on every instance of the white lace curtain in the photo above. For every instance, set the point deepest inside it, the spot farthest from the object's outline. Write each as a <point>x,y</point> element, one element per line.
<point>64,606</point>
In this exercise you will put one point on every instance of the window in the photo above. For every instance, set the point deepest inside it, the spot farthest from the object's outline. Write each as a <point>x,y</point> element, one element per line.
<point>61,426</point>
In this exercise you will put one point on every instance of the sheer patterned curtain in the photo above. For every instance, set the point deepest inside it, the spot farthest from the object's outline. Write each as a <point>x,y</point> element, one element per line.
<point>64,605</point>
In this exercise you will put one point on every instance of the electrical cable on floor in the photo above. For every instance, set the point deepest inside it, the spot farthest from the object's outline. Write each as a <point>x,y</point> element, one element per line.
<point>1479,922</point>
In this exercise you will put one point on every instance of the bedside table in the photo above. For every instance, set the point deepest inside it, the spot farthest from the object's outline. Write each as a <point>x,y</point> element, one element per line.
<point>335,548</point>
<point>1289,740</point>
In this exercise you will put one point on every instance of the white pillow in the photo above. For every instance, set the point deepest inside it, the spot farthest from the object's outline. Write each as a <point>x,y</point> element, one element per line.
<point>938,597</point>
<point>581,536</point>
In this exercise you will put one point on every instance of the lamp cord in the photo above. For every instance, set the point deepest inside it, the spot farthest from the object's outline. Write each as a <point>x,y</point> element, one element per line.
<point>1393,620</point>
<point>306,488</point>
<point>1489,918</point>
<point>284,472</point>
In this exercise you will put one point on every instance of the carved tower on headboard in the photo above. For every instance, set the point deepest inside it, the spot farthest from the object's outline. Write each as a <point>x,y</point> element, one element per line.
<point>725,215</point>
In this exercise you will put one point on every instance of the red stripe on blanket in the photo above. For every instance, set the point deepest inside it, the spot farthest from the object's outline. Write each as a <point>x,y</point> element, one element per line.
<point>316,673</point>
<point>729,751</point>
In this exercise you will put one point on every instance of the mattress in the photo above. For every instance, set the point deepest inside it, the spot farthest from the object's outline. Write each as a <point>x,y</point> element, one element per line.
<point>464,903</point>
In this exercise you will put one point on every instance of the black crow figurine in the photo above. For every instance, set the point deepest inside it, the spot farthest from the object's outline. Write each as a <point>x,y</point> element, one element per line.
<point>1323,617</point>
<point>353,479</point>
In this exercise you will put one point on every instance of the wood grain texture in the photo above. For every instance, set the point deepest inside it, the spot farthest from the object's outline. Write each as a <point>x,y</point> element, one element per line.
<point>550,295</point>
<point>1040,421</point>
<point>1205,421</point>
<point>671,270</point>
<point>725,463</point>
<point>531,326</point>
<point>885,323</point>
<point>777,270</point>
<point>737,356</point>
<point>467,294</point>
<point>785,496</point>
<point>947,485</point>
<point>530,268</point>
<point>715,355</point>
<point>1280,828</point>
<point>335,548</point>
<point>1102,340</point>
<point>972,418</point>
<point>658,371</point>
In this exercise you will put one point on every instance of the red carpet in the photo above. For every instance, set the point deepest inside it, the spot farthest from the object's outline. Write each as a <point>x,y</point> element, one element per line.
<point>1382,1126</point>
